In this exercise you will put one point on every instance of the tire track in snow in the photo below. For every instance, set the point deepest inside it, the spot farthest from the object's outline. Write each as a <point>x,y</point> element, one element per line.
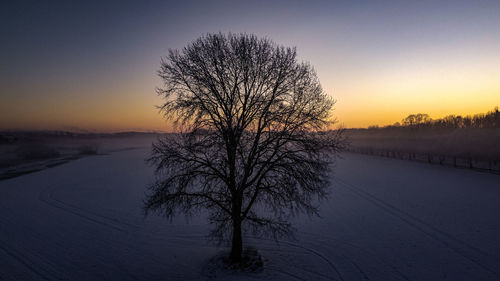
<point>425,228</point>
<point>26,257</point>
<point>366,252</point>
<point>332,265</point>
<point>312,251</point>
<point>287,273</point>
<point>358,268</point>
<point>365,277</point>
<point>323,276</point>
<point>42,263</point>
<point>26,262</point>
<point>47,197</point>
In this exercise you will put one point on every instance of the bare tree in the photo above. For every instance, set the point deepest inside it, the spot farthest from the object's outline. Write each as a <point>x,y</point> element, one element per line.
<point>252,147</point>
<point>416,119</point>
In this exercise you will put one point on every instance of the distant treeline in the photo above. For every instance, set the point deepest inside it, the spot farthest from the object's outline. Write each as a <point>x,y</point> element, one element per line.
<point>422,120</point>
<point>470,141</point>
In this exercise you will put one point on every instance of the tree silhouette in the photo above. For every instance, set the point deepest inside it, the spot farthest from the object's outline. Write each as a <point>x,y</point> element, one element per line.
<point>252,145</point>
<point>490,119</point>
<point>416,119</point>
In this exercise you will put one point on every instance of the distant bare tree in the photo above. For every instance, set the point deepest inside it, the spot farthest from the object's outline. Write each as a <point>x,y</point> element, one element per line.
<point>416,119</point>
<point>252,147</point>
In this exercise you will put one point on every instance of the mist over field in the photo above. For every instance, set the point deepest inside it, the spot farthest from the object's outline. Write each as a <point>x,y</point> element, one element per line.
<point>466,142</point>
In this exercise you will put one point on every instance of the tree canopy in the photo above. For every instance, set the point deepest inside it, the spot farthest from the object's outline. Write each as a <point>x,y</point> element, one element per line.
<point>252,146</point>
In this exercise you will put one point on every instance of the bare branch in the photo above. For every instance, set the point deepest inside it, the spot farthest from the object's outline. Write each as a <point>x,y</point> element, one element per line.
<point>255,147</point>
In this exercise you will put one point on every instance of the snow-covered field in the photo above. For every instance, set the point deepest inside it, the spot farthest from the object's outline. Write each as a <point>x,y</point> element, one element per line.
<point>385,220</point>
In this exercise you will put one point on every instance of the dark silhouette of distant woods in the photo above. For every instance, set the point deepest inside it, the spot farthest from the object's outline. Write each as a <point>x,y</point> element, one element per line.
<point>416,119</point>
<point>253,146</point>
<point>489,120</point>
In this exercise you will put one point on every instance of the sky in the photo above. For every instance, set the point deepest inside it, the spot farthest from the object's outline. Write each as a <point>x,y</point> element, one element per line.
<point>91,65</point>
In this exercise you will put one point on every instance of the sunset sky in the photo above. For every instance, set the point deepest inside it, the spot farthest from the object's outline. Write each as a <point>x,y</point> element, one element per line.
<point>91,66</point>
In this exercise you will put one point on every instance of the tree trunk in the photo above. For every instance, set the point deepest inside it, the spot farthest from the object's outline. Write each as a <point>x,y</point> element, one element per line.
<point>237,245</point>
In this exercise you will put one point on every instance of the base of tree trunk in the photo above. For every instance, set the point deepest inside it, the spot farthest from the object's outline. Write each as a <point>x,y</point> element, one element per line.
<point>251,261</point>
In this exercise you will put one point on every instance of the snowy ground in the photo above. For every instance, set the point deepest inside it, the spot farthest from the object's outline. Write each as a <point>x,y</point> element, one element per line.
<point>386,220</point>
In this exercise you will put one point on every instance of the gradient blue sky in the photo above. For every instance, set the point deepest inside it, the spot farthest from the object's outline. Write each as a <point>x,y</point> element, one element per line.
<point>91,65</point>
